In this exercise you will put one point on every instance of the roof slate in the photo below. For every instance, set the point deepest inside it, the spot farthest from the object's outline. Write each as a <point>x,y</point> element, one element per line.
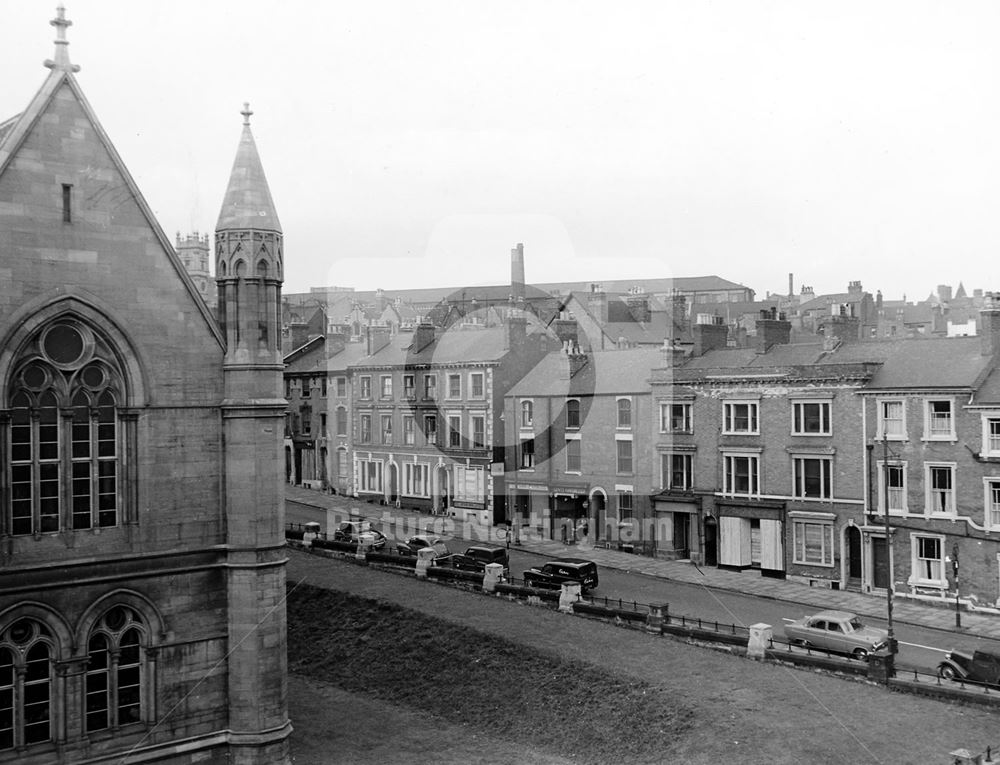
<point>451,347</point>
<point>618,371</point>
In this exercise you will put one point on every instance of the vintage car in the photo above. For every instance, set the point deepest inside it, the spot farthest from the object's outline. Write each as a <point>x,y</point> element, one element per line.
<point>421,542</point>
<point>351,531</point>
<point>837,631</point>
<point>553,574</point>
<point>475,558</point>
<point>980,667</point>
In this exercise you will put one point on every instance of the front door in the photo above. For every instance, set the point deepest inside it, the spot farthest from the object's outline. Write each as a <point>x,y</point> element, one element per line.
<point>880,563</point>
<point>854,554</point>
<point>755,551</point>
<point>711,542</point>
<point>682,526</point>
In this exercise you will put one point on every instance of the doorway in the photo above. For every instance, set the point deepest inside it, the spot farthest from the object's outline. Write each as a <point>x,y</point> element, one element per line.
<point>682,530</point>
<point>880,563</point>
<point>711,542</point>
<point>853,558</point>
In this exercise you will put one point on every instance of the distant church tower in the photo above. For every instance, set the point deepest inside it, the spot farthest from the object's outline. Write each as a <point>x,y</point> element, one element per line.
<point>248,272</point>
<point>194,250</point>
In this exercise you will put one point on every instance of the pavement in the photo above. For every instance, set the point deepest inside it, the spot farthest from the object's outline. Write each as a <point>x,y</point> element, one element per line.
<point>904,610</point>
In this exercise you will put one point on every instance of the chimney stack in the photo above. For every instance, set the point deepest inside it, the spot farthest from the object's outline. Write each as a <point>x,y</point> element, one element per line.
<point>989,323</point>
<point>423,336</point>
<point>377,338</point>
<point>772,329</point>
<point>517,273</point>
<point>709,337</point>
<point>597,303</point>
<point>298,334</point>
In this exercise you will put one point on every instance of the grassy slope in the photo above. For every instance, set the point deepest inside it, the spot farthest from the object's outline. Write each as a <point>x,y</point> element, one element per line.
<point>391,653</point>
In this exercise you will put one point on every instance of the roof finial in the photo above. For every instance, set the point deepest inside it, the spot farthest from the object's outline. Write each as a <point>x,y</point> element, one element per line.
<point>60,22</point>
<point>246,112</point>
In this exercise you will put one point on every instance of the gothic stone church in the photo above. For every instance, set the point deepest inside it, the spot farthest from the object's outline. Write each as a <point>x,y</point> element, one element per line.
<point>141,503</point>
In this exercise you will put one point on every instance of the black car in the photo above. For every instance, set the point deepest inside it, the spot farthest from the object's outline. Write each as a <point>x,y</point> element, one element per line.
<point>555,573</point>
<point>980,667</point>
<point>475,558</point>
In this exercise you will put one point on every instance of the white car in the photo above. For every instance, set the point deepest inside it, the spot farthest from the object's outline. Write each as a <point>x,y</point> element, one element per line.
<point>837,631</point>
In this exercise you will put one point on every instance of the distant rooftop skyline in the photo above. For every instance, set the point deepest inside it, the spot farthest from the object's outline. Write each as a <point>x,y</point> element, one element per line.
<point>412,145</point>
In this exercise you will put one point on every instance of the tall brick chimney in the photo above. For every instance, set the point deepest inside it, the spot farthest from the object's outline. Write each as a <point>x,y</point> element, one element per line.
<point>989,324</point>
<point>517,273</point>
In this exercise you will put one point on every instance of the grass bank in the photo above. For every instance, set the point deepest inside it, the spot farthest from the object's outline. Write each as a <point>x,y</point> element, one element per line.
<point>479,680</point>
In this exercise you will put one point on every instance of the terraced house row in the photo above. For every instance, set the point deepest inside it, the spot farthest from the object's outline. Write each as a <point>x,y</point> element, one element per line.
<point>779,459</point>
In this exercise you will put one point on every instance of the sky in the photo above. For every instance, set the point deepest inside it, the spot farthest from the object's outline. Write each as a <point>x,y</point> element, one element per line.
<point>413,144</point>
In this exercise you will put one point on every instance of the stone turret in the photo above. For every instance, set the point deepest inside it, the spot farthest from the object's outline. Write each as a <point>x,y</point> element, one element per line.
<point>249,271</point>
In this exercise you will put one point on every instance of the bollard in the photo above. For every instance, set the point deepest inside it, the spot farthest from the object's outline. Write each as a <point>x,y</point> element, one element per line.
<point>654,620</point>
<point>366,542</point>
<point>311,532</point>
<point>760,636</point>
<point>424,557</point>
<point>569,595</point>
<point>492,576</point>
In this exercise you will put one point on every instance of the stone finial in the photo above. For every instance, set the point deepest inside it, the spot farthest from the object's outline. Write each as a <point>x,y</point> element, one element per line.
<point>60,22</point>
<point>246,112</point>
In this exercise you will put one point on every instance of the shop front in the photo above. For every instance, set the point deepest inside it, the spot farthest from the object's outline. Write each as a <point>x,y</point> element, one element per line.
<point>676,521</point>
<point>751,535</point>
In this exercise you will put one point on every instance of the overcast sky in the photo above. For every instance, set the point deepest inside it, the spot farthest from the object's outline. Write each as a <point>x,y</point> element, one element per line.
<point>414,143</point>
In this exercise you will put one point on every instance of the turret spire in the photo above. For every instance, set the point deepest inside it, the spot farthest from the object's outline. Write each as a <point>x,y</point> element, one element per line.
<point>61,62</point>
<point>247,204</point>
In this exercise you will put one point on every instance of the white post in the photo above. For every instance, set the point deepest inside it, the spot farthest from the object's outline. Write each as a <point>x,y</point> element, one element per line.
<point>570,594</point>
<point>424,557</point>
<point>760,640</point>
<point>492,577</point>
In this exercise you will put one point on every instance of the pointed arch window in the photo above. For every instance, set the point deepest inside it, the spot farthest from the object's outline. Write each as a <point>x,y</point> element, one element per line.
<point>27,651</point>
<point>64,463</point>
<point>116,672</point>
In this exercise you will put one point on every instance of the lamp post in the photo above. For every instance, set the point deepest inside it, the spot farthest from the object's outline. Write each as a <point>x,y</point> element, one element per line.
<point>954,569</point>
<point>891,640</point>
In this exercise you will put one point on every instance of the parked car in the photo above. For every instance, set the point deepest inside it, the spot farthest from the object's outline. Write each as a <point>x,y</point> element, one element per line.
<point>837,631</point>
<point>555,573</point>
<point>351,531</point>
<point>421,542</point>
<point>981,667</point>
<point>475,558</point>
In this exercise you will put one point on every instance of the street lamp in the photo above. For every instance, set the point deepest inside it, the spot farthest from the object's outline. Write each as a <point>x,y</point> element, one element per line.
<point>892,645</point>
<point>954,569</point>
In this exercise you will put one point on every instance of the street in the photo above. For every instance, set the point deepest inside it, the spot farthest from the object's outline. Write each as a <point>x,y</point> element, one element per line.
<point>920,648</point>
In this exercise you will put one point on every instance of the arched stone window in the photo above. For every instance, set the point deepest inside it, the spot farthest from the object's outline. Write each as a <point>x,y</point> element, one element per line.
<point>27,653</point>
<point>116,670</point>
<point>65,395</point>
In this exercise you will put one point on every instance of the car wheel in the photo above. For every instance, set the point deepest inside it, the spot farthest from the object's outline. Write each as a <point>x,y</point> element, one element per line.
<point>860,654</point>
<point>947,672</point>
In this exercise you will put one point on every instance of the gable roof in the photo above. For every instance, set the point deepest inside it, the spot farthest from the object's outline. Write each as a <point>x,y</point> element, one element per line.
<point>15,131</point>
